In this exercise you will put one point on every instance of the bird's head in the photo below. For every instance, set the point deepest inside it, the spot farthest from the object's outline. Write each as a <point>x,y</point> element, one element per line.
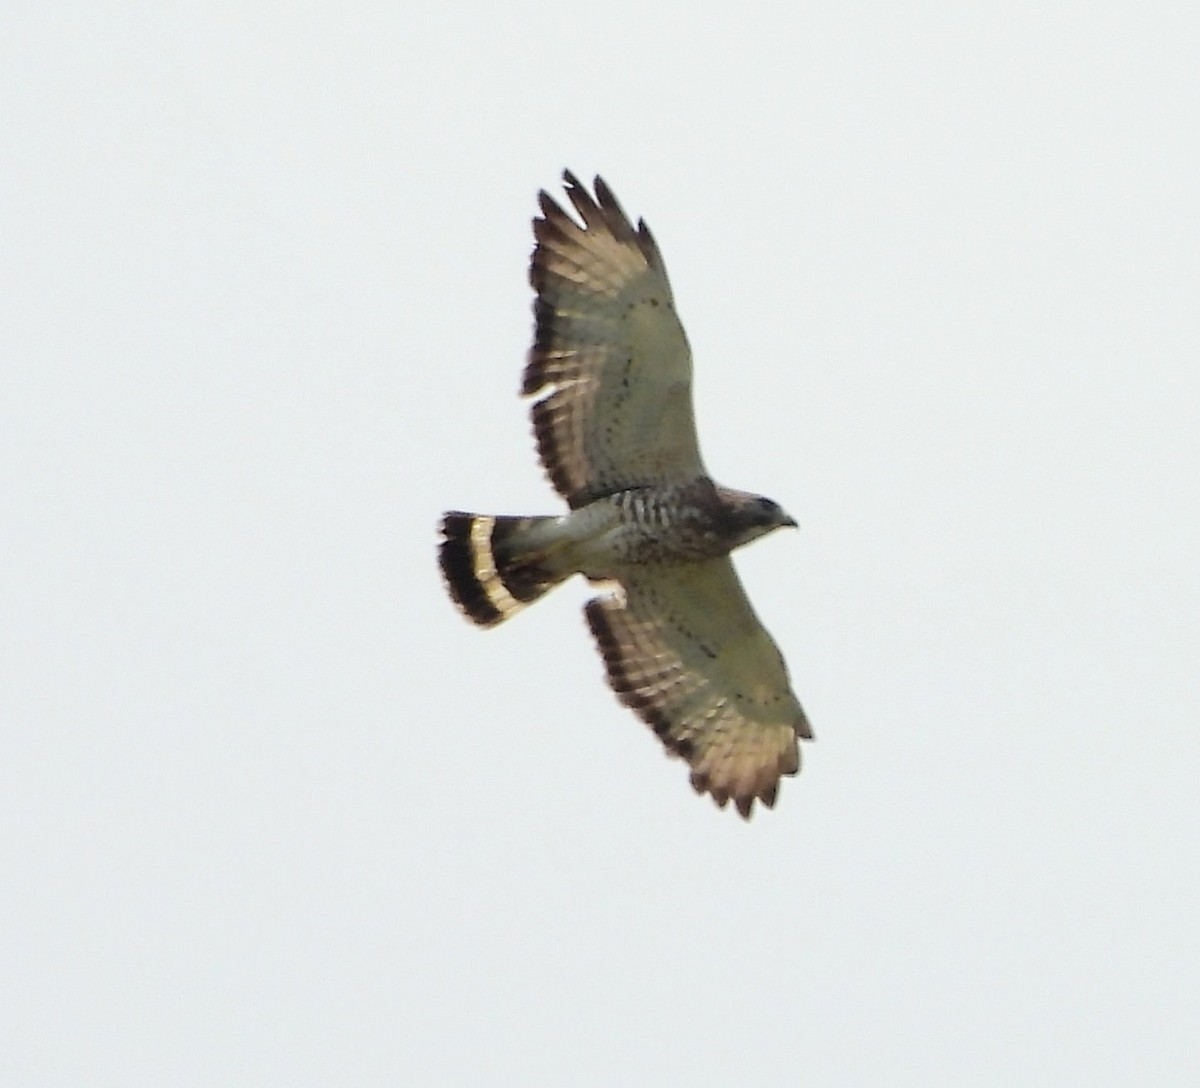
<point>752,516</point>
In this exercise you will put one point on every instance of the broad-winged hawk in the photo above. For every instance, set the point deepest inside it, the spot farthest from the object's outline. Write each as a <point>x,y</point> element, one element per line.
<point>611,372</point>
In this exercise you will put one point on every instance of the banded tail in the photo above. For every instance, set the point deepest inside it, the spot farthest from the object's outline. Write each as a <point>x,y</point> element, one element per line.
<point>495,566</point>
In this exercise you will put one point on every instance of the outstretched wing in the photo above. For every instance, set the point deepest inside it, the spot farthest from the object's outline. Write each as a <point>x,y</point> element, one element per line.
<point>610,360</point>
<point>684,649</point>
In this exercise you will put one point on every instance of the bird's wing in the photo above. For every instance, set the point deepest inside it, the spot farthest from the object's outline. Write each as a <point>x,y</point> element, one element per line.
<point>684,649</point>
<point>610,362</point>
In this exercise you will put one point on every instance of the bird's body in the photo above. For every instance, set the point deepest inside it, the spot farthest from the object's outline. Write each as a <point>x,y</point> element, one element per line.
<point>612,370</point>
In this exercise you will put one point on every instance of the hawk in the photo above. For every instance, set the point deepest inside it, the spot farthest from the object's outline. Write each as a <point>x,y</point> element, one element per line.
<point>611,372</point>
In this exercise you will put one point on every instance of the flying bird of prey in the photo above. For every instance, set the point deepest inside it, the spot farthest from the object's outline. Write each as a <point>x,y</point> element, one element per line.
<point>611,372</point>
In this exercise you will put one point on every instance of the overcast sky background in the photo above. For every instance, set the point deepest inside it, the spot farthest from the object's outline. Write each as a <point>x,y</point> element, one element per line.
<point>274,814</point>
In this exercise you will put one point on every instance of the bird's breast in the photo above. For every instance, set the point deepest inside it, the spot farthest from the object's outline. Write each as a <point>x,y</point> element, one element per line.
<point>642,526</point>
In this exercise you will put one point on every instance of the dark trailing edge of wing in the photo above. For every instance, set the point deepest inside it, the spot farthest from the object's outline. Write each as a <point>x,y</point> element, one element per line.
<point>544,423</point>
<point>622,684</point>
<point>649,711</point>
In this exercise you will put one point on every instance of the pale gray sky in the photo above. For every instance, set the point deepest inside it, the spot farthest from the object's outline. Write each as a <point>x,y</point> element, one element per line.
<point>274,814</point>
